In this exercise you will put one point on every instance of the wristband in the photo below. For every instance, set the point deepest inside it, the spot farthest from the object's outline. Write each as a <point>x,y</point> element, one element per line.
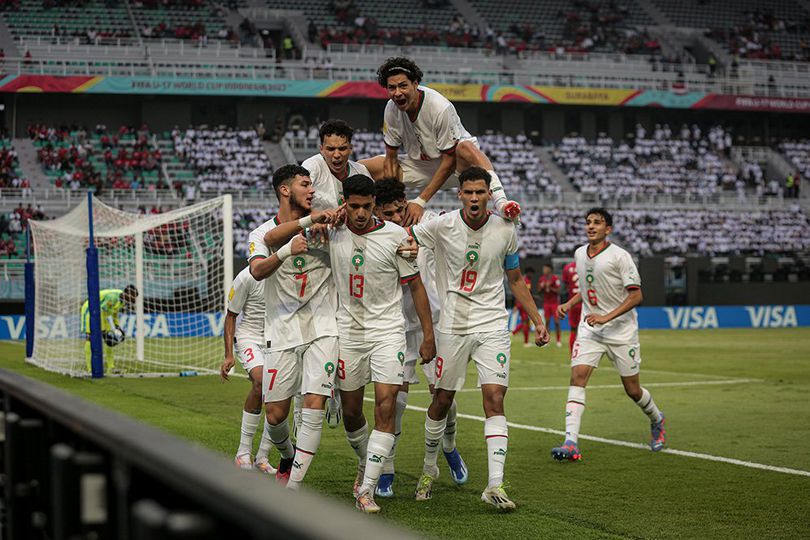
<point>305,222</point>
<point>285,251</point>
<point>420,201</point>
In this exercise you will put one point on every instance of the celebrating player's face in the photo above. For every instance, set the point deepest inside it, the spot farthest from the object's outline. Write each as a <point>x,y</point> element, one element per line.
<point>358,211</point>
<point>596,228</point>
<point>474,196</point>
<point>394,211</point>
<point>403,92</point>
<point>336,150</point>
<point>301,192</point>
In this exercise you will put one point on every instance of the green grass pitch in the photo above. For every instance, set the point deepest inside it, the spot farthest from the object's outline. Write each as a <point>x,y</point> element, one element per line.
<point>740,394</point>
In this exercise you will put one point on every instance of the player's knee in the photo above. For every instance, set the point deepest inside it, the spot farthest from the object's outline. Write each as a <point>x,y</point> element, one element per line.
<point>493,404</point>
<point>633,391</point>
<point>256,387</point>
<point>275,416</point>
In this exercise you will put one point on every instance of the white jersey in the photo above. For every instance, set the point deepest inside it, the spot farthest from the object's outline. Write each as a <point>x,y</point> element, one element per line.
<point>603,283</point>
<point>328,189</point>
<point>470,267</point>
<point>427,270</point>
<point>299,296</point>
<point>436,130</point>
<point>368,274</point>
<point>246,297</point>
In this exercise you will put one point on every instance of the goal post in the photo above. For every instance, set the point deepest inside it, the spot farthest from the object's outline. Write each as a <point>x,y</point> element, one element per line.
<point>181,264</point>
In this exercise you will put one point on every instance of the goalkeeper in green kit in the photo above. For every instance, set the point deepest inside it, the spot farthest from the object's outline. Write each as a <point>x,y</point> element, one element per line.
<point>112,301</point>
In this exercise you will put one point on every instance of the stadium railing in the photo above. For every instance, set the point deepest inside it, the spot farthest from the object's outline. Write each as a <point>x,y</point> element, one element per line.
<point>73,469</point>
<point>12,279</point>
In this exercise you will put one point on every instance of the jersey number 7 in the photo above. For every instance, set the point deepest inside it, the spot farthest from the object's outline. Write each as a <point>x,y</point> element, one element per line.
<point>303,278</point>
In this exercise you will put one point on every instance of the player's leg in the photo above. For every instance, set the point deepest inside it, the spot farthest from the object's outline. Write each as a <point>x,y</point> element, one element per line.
<point>469,155</point>
<point>492,361</point>
<point>318,370</point>
<point>627,359</point>
<point>449,437</point>
<point>253,364</point>
<point>375,166</point>
<point>453,353</point>
<point>387,362</point>
<point>557,326</point>
<point>353,374</point>
<point>524,321</point>
<point>280,382</point>
<point>584,358</point>
<point>573,320</point>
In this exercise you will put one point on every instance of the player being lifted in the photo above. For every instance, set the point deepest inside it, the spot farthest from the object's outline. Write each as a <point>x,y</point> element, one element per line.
<point>390,206</point>
<point>247,297</point>
<point>612,289</point>
<point>549,285</point>
<point>368,274</point>
<point>571,281</point>
<point>331,166</point>
<point>112,302</point>
<point>300,322</point>
<point>473,250</point>
<point>424,125</point>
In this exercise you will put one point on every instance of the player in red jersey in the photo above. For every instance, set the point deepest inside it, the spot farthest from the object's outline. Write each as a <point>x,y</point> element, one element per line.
<point>571,281</point>
<point>549,285</point>
<point>525,324</point>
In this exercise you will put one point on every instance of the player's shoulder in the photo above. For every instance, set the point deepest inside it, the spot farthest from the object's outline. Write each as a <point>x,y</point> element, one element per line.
<point>581,251</point>
<point>243,278</point>
<point>616,251</point>
<point>313,163</point>
<point>501,224</point>
<point>268,225</point>
<point>389,228</point>
<point>359,168</point>
<point>435,98</point>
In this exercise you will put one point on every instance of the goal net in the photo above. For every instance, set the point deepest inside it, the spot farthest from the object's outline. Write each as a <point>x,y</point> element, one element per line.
<point>180,262</point>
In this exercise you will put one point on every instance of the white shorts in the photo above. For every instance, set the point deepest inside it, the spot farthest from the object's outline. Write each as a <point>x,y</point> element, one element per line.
<point>250,354</point>
<point>377,361</point>
<point>489,350</point>
<point>413,339</point>
<point>306,369</point>
<point>417,173</point>
<point>625,357</point>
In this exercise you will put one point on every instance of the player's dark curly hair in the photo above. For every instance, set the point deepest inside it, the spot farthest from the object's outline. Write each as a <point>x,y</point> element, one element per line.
<point>397,65</point>
<point>388,190</point>
<point>285,174</point>
<point>336,127</point>
<point>358,184</point>
<point>599,211</point>
<point>472,174</point>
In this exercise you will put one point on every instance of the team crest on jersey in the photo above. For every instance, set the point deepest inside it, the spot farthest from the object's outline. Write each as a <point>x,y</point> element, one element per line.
<point>501,359</point>
<point>358,260</point>
<point>589,278</point>
<point>329,367</point>
<point>401,357</point>
<point>299,263</point>
<point>471,256</point>
<point>632,352</point>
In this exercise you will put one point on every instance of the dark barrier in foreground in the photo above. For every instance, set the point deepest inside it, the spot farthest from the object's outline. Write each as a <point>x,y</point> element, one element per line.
<point>71,469</point>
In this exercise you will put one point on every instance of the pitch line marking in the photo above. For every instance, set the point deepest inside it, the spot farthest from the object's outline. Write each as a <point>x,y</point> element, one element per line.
<point>611,386</point>
<point>659,371</point>
<point>638,446</point>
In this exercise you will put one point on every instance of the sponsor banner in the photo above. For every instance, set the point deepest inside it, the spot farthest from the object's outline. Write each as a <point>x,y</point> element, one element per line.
<point>211,324</point>
<point>371,90</point>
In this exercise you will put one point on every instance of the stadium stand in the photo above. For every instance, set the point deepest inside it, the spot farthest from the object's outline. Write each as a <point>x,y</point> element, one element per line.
<point>182,19</point>
<point>91,21</point>
<point>664,163</point>
<point>798,152</point>
<point>224,158</point>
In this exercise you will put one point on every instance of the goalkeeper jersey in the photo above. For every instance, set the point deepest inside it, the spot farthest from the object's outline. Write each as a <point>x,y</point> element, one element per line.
<point>111,305</point>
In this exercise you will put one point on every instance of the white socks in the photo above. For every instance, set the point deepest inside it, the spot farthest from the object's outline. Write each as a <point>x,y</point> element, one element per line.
<point>434,430</point>
<point>265,444</point>
<point>250,423</point>
<point>648,406</point>
<point>574,408</point>
<point>379,448</point>
<point>402,403</point>
<point>497,437</point>
<point>449,439</point>
<point>309,438</point>
<point>280,436</point>
<point>358,440</point>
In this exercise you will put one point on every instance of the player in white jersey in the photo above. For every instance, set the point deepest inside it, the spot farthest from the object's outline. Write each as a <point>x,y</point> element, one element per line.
<point>328,169</point>
<point>300,324</point>
<point>331,166</point>
<point>424,125</point>
<point>610,289</point>
<point>246,297</point>
<point>390,203</point>
<point>368,273</point>
<point>474,249</point>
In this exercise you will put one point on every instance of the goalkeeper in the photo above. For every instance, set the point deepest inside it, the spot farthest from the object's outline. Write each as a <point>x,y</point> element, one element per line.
<point>112,301</point>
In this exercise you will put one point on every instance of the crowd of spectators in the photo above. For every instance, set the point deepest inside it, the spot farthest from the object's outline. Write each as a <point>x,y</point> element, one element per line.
<point>686,163</point>
<point>72,155</point>
<point>798,152</point>
<point>224,158</point>
<point>13,224</point>
<point>10,168</point>
<point>759,37</point>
